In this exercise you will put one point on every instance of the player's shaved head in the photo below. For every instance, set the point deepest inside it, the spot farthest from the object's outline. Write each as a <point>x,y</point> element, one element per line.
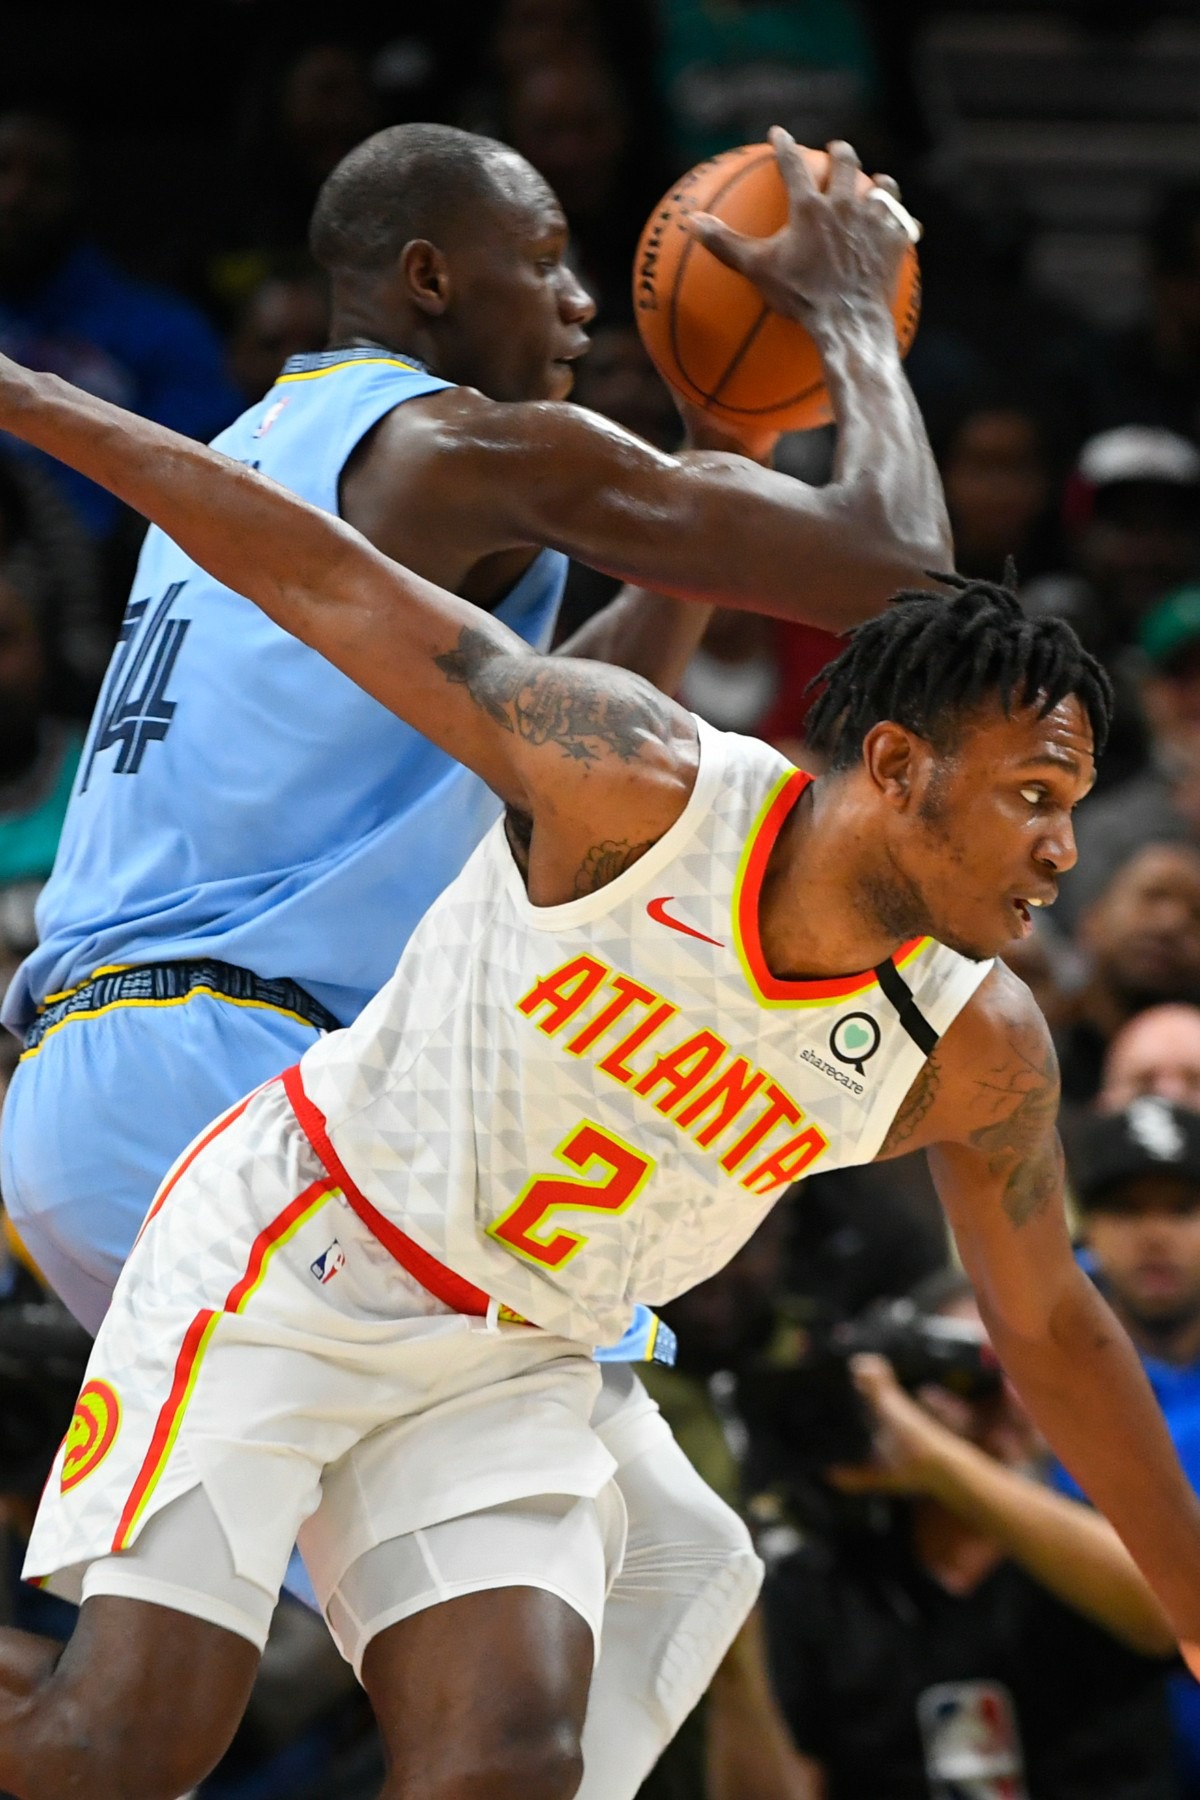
<point>412,181</point>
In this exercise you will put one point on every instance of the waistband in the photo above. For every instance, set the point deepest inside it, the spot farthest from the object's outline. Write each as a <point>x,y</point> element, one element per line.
<point>168,983</point>
<point>647,1340</point>
<point>452,1290</point>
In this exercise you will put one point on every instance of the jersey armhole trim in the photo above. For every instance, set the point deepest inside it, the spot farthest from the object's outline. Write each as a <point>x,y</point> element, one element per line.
<point>570,913</point>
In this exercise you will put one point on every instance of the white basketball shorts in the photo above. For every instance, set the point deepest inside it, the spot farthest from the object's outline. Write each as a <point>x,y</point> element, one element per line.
<point>264,1347</point>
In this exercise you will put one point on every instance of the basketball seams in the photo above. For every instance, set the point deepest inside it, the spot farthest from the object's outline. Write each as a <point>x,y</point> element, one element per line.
<point>732,366</point>
<point>676,333</point>
<point>746,167</point>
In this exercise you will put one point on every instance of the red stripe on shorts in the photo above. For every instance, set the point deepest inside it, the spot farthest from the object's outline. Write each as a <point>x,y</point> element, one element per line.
<point>169,1411</point>
<point>266,1240</point>
<point>191,1350</point>
<point>451,1289</point>
<point>213,1131</point>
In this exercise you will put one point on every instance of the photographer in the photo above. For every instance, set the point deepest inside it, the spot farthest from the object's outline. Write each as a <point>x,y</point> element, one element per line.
<point>962,1629</point>
<point>1135,1175</point>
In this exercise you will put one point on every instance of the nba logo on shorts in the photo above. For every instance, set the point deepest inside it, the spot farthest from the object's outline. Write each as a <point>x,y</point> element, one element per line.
<point>972,1750</point>
<point>328,1263</point>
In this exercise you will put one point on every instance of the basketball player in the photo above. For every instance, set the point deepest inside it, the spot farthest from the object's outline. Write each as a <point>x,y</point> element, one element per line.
<point>358,1307</point>
<point>253,839</point>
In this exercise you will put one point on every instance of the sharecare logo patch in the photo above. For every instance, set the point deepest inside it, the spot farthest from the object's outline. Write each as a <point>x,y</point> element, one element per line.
<point>91,1433</point>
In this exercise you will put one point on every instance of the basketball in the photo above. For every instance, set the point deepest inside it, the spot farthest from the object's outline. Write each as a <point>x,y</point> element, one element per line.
<point>706,327</point>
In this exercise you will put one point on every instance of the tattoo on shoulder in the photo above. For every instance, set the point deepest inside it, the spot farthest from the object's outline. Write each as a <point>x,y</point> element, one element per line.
<point>584,711</point>
<point>1020,1141</point>
<point>604,862</point>
<point>916,1104</point>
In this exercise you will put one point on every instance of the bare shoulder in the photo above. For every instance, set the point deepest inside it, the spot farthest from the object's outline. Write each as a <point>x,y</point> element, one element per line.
<point>609,761</point>
<point>991,1087</point>
<point>463,422</point>
<point>998,1047</point>
<point>591,713</point>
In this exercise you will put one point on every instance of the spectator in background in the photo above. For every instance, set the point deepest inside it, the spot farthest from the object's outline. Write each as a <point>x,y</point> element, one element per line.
<point>1133,534</point>
<point>1150,373</point>
<point>751,674</point>
<point>1135,1176</point>
<point>39,755</point>
<point>299,120</point>
<point>1157,1052</point>
<point>1162,801</point>
<point>1141,941</point>
<point>39,524</point>
<point>285,314</point>
<point>573,121</point>
<point>976,1634</point>
<point>1133,528</point>
<point>997,467</point>
<point>66,308</point>
<point>731,71</point>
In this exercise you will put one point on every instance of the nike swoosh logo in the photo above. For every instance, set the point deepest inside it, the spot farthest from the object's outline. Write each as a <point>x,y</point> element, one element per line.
<point>658,912</point>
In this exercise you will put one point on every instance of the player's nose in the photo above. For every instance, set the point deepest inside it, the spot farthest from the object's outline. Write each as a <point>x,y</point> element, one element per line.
<point>1056,849</point>
<point>575,304</point>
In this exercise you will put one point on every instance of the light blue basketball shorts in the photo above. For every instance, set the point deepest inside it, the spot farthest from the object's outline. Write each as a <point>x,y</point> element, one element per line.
<point>106,1102</point>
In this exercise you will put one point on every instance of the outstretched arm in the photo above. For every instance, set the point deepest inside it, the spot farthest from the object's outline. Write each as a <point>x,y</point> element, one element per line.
<point>602,761</point>
<point>997,1164</point>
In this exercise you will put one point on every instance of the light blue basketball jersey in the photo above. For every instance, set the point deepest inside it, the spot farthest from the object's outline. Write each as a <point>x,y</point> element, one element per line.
<point>240,798</point>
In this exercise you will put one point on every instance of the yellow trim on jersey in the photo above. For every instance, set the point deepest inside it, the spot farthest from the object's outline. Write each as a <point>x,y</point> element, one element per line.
<point>94,1012</point>
<point>351,362</point>
<point>855,986</point>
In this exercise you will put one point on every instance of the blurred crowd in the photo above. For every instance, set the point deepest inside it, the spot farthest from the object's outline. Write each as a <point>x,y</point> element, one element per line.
<point>943,1614</point>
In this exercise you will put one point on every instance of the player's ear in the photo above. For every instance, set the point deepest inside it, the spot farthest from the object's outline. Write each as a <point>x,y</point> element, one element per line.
<point>425,276</point>
<point>889,755</point>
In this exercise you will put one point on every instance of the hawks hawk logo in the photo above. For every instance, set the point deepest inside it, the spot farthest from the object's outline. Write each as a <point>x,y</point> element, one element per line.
<point>91,1433</point>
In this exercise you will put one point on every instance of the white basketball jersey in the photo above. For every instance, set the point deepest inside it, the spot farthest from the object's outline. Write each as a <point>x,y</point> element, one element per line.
<point>580,1107</point>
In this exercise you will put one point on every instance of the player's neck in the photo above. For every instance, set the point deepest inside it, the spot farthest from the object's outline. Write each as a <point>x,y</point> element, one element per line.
<point>358,324</point>
<point>816,915</point>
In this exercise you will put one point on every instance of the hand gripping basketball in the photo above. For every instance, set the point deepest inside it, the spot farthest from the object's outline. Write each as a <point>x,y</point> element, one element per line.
<point>841,246</point>
<point>753,267</point>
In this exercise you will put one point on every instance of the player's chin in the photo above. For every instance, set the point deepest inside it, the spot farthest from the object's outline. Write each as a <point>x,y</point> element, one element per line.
<point>975,942</point>
<point>560,381</point>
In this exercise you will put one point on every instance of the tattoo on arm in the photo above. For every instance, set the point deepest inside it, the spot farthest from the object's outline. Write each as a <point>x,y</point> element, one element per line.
<point>586,712</point>
<point>916,1104</point>
<point>604,862</point>
<point>1020,1142</point>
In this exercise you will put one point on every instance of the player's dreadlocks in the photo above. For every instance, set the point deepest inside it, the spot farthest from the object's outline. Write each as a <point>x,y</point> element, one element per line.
<point>930,658</point>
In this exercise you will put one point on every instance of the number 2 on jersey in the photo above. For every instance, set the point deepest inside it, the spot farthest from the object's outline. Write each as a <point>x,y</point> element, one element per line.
<point>526,1226</point>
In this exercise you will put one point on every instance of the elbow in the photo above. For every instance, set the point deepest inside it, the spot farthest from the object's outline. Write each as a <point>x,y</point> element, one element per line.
<point>887,555</point>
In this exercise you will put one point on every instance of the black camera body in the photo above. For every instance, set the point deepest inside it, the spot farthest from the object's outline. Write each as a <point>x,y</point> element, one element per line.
<point>810,1416</point>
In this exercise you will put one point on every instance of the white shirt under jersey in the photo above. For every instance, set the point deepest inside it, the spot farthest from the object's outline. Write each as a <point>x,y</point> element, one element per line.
<point>579,1107</point>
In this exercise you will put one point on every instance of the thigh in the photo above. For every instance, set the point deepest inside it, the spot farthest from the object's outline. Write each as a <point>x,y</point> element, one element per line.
<point>484,1693</point>
<point>98,1114</point>
<point>561,1544</point>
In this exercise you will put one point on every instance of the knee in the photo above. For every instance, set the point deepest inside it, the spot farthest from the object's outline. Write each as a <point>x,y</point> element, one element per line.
<point>77,1761</point>
<point>545,1763</point>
